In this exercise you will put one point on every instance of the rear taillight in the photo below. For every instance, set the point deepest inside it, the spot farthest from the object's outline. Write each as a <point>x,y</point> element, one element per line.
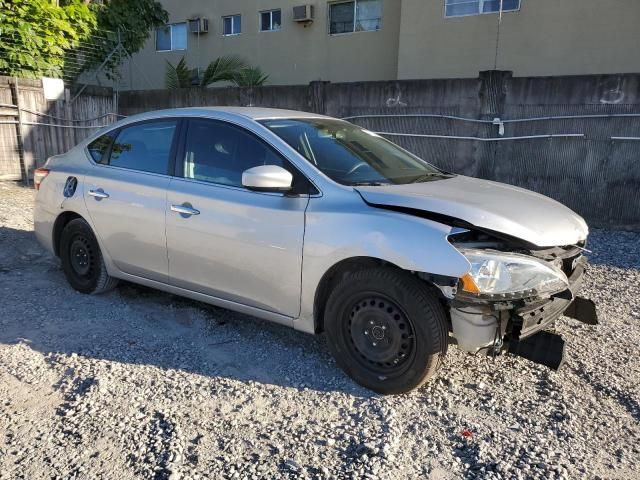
<point>39,174</point>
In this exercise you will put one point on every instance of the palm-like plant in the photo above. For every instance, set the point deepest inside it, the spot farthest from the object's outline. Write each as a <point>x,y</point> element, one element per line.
<point>178,76</point>
<point>228,68</point>
<point>223,69</point>
<point>250,77</point>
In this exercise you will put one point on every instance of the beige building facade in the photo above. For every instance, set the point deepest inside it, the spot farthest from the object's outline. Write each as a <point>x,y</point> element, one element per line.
<point>541,38</point>
<point>364,40</point>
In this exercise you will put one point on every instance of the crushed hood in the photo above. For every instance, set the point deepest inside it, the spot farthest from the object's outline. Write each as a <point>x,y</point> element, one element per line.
<point>494,206</point>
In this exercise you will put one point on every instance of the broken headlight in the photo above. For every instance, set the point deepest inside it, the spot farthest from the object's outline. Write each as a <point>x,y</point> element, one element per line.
<point>510,275</point>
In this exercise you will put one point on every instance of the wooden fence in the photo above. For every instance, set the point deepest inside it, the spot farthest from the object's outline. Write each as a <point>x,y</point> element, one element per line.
<point>33,128</point>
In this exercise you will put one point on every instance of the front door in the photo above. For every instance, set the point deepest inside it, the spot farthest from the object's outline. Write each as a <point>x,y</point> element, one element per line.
<point>227,241</point>
<point>125,192</point>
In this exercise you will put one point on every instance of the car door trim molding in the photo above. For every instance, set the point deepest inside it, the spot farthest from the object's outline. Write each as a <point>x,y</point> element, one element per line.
<point>239,189</point>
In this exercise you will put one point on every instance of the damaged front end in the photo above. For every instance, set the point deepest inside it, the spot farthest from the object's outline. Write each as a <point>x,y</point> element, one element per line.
<point>513,294</point>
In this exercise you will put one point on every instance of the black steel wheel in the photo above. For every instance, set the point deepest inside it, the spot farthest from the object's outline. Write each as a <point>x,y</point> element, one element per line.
<point>386,329</point>
<point>82,260</point>
<point>82,257</point>
<point>381,333</point>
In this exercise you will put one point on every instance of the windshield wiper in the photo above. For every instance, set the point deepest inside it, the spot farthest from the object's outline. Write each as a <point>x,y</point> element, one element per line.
<point>366,184</point>
<point>427,176</point>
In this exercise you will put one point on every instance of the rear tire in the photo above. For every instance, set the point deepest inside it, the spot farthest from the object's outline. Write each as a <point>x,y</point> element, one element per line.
<point>82,260</point>
<point>386,329</point>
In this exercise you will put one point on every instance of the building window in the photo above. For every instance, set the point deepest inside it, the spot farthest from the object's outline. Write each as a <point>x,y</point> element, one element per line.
<point>270,21</point>
<point>171,37</point>
<point>355,16</point>
<point>232,25</point>
<point>461,8</point>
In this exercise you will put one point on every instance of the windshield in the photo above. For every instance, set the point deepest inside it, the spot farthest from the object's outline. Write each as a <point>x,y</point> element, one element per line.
<point>351,155</point>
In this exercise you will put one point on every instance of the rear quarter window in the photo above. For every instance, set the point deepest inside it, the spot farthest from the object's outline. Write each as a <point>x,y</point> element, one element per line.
<point>99,148</point>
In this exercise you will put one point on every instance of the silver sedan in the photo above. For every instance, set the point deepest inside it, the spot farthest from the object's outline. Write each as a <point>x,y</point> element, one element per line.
<point>320,225</point>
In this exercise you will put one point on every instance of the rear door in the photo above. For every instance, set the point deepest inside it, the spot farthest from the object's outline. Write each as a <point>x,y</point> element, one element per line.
<point>236,244</point>
<point>125,193</point>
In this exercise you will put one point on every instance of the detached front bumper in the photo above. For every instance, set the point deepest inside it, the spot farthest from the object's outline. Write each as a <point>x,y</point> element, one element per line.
<point>528,338</point>
<point>536,316</point>
<point>519,326</point>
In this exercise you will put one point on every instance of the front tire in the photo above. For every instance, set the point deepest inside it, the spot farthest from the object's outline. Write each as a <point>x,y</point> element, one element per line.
<point>386,329</point>
<point>82,260</point>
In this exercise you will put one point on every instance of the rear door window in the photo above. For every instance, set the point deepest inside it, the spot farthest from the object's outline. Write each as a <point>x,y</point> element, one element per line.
<point>145,146</point>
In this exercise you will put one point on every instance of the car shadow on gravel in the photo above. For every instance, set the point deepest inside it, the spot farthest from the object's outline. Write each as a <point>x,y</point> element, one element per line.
<point>19,248</point>
<point>247,348</point>
<point>139,325</point>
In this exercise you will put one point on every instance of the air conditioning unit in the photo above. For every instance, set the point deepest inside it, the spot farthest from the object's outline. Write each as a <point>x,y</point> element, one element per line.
<point>303,13</point>
<point>199,25</point>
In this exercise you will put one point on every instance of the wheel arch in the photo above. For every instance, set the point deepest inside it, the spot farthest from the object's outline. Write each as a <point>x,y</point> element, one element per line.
<point>333,275</point>
<point>62,221</point>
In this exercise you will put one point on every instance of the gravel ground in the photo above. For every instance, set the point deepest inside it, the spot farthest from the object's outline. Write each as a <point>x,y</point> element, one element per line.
<point>141,384</point>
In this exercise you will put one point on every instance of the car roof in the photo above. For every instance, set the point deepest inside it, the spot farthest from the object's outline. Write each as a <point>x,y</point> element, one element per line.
<point>223,112</point>
<point>261,113</point>
<point>252,113</point>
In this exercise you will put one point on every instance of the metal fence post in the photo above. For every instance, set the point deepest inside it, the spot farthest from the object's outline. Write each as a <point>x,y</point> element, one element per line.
<point>15,93</point>
<point>70,133</point>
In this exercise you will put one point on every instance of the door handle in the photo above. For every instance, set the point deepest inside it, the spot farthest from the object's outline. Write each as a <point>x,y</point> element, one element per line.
<point>99,193</point>
<point>185,210</point>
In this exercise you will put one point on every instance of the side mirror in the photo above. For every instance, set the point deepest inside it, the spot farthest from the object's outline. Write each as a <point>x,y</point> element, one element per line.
<point>267,178</point>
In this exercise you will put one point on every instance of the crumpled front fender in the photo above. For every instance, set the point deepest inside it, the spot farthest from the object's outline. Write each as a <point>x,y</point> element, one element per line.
<point>334,233</point>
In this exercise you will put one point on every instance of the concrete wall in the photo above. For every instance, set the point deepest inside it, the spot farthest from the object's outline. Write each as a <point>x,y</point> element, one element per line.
<point>546,37</point>
<point>594,174</point>
<point>295,54</point>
